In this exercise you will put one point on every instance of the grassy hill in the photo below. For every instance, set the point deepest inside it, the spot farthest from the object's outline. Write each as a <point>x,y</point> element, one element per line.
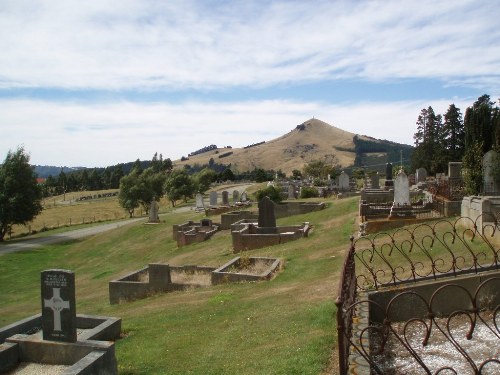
<point>284,326</point>
<point>312,140</point>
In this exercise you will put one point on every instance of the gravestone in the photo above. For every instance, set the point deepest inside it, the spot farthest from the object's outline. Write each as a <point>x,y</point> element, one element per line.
<point>213,198</point>
<point>267,218</point>
<point>401,189</point>
<point>490,187</point>
<point>388,176</point>
<point>244,197</point>
<point>343,181</point>
<point>420,175</point>
<point>199,202</point>
<point>225,198</point>
<point>376,181</point>
<point>153,212</point>
<point>291,191</point>
<point>236,196</point>
<point>454,169</point>
<point>58,305</point>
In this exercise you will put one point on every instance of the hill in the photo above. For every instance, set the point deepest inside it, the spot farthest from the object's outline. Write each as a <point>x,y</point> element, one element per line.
<point>311,140</point>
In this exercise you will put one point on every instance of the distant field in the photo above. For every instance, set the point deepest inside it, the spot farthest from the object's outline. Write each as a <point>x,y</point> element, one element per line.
<point>285,326</point>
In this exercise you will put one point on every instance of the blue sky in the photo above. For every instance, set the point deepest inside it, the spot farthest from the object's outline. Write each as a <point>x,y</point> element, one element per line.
<point>97,83</point>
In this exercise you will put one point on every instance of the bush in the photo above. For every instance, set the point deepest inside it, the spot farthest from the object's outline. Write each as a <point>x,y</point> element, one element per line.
<point>272,192</point>
<point>309,192</point>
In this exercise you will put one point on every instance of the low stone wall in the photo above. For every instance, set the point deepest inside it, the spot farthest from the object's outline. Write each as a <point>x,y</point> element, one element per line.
<point>231,272</point>
<point>93,353</point>
<point>481,209</point>
<point>227,219</point>
<point>157,279</point>
<point>286,209</point>
<point>191,232</point>
<point>247,236</point>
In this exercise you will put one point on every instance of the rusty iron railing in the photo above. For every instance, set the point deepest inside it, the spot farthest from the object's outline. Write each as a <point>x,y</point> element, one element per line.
<point>406,256</point>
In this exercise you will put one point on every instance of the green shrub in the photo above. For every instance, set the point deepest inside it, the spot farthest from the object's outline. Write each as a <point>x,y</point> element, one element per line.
<point>309,192</point>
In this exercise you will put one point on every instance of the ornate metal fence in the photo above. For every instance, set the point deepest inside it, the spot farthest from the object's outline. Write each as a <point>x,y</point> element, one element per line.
<point>426,252</point>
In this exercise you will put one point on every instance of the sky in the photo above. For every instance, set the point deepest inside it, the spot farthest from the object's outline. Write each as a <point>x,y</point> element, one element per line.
<point>95,83</point>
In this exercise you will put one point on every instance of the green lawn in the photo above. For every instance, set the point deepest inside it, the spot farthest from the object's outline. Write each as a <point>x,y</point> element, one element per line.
<point>285,326</point>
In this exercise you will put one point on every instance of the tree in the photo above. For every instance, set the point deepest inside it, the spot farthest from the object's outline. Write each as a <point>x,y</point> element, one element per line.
<point>429,143</point>
<point>227,175</point>
<point>271,191</point>
<point>20,195</point>
<point>261,175</point>
<point>205,178</point>
<point>130,192</point>
<point>318,169</point>
<point>296,174</point>
<point>179,185</point>
<point>454,133</point>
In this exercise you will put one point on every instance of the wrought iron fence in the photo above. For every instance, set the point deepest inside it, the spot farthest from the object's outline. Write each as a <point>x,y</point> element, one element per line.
<point>408,255</point>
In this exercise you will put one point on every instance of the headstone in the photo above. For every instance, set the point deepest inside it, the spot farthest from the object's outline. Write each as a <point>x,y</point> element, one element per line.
<point>236,196</point>
<point>213,198</point>
<point>244,197</point>
<point>388,176</point>
<point>420,175</point>
<point>153,212</point>
<point>291,191</point>
<point>58,305</point>
<point>343,181</point>
<point>267,218</point>
<point>491,187</point>
<point>199,201</point>
<point>401,189</point>
<point>376,181</point>
<point>454,169</point>
<point>225,198</point>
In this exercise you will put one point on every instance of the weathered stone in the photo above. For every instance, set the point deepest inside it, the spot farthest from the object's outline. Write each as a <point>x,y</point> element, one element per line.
<point>291,191</point>
<point>266,213</point>
<point>236,196</point>
<point>58,305</point>
<point>153,212</point>
<point>491,187</point>
<point>420,175</point>
<point>401,189</point>
<point>343,181</point>
<point>225,198</point>
<point>199,201</point>
<point>213,198</point>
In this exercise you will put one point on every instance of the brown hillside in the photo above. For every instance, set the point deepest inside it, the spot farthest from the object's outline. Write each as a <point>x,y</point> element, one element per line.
<point>312,140</point>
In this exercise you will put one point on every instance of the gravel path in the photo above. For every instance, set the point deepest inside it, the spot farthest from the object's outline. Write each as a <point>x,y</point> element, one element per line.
<point>31,243</point>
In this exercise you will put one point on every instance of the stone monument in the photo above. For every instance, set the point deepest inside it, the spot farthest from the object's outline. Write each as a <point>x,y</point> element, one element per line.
<point>200,206</point>
<point>213,199</point>
<point>420,175</point>
<point>375,181</point>
<point>388,176</point>
<point>490,187</point>
<point>244,197</point>
<point>401,207</point>
<point>153,212</point>
<point>58,305</point>
<point>225,198</point>
<point>291,191</point>
<point>236,196</point>
<point>343,181</point>
<point>267,218</point>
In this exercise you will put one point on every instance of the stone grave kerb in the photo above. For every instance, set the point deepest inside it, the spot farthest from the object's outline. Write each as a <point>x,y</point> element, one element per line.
<point>58,305</point>
<point>267,218</point>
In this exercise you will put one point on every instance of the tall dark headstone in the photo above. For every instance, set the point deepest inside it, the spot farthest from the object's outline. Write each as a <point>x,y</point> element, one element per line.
<point>225,198</point>
<point>388,176</point>
<point>58,305</point>
<point>267,218</point>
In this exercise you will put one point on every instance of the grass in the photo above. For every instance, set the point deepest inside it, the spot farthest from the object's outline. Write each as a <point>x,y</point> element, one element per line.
<point>285,326</point>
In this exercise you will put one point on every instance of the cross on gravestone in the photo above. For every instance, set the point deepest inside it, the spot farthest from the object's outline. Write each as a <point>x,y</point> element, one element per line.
<point>58,305</point>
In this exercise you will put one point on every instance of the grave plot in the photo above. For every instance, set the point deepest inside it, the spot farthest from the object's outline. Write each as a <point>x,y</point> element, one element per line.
<point>163,278</point>
<point>58,340</point>
<point>421,300</point>
<point>157,278</point>
<point>246,269</point>
<point>192,232</point>
<point>247,235</point>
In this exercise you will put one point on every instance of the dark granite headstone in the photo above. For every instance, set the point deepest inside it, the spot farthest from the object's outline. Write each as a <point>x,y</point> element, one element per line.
<point>388,171</point>
<point>225,198</point>
<point>58,305</point>
<point>267,218</point>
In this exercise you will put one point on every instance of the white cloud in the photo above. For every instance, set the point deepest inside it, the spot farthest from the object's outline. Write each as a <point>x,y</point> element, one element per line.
<point>153,44</point>
<point>105,134</point>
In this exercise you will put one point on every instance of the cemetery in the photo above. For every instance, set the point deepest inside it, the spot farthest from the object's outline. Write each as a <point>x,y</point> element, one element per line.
<point>58,340</point>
